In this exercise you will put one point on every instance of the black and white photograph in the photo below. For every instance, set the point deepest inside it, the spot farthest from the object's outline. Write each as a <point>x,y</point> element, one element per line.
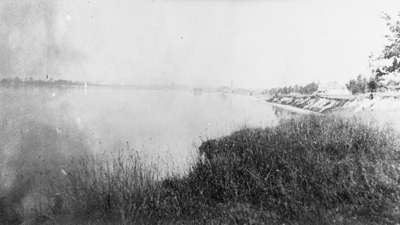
<point>199,112</point>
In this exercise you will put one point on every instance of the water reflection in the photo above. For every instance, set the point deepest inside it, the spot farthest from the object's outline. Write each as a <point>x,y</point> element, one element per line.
<point>42,128</point>
<point>197,91</point>
<point>282,113</point>
<point>162,125</point>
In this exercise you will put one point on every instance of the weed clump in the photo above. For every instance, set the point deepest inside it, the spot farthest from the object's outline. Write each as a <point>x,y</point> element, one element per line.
<point>304,167</point>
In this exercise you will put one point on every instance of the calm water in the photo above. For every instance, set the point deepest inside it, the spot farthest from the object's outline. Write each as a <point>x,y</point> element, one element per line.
<point>164,126</point>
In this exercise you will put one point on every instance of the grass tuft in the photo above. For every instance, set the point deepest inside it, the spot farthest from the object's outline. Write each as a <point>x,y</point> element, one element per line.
<point>304,168</point>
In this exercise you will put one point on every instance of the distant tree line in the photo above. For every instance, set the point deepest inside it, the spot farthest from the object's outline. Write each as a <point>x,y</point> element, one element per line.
<point>362,85</point>
<point>16,81</point>
<point>297,89</point>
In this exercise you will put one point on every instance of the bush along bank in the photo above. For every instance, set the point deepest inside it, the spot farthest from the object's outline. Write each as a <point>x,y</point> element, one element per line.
<point>313,169</point>
<point>306,170</point>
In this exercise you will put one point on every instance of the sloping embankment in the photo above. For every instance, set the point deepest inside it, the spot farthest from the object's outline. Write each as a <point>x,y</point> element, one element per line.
<point>313,103</point>
<point>384,108</point>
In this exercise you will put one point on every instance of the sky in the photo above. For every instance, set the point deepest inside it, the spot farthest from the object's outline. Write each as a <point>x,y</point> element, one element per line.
<point>250,43</point>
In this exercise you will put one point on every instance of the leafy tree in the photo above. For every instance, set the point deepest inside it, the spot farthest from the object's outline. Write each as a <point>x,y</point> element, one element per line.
<point>358,85</point>
<point>310,88</point>
<point>388,62</point>
<point>392,48</point>
<point>372,85</point>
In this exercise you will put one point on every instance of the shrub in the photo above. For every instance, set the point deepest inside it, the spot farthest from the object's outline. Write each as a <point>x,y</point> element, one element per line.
<point>358,85</point>
<point>120,189</point>
<point>302,167</point>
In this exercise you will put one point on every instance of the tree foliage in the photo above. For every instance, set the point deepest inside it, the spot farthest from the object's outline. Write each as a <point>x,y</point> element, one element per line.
<point>392,48</point>
<point>361,85</point>
<point>358,85</point>
<point>306,89</point>
<point>388,61</point>
<point>372,85</point>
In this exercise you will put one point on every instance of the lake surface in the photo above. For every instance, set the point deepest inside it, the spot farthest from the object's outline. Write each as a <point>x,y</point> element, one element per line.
<point>164,126</point>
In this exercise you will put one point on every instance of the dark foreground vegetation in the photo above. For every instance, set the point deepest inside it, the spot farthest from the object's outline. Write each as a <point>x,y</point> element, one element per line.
<point>308,170</point>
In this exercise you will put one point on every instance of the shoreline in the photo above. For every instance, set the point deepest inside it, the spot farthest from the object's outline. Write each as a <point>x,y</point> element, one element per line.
<point>312,103</point>
<point>384,108</point>
<point>293,109</point>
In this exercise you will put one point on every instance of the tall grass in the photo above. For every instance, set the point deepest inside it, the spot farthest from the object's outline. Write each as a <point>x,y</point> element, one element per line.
<point>119,189</point>
<point>305,170</point>
<point>304,167</point>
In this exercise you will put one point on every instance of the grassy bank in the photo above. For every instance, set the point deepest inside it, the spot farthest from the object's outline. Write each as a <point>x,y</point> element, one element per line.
<point>308,170</point>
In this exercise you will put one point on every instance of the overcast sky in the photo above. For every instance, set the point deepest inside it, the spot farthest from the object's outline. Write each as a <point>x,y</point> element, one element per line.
<point>253,43</point>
